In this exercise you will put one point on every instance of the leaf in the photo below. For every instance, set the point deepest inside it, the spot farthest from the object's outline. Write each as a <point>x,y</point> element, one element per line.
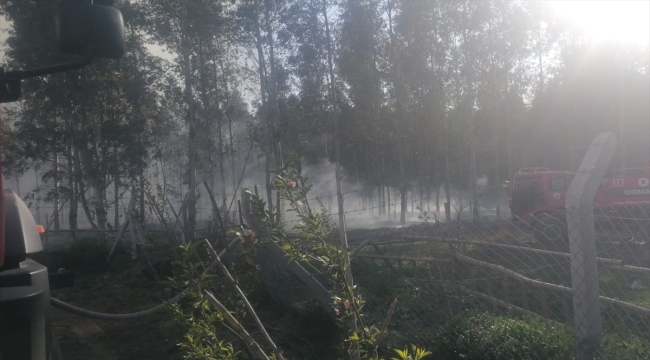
<point>403,354</point>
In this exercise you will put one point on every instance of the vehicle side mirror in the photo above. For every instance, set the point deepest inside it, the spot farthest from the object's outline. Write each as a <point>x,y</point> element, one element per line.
<point>80,26</point>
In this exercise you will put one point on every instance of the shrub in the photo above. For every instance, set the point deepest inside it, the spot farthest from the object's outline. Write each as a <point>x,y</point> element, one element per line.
<point>624,348</point>
<point>489,337</point>
<point>486,336</point>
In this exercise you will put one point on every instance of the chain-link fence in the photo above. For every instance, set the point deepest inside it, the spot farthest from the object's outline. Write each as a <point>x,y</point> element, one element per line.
<point>568,283</point>
<point>563,274</point>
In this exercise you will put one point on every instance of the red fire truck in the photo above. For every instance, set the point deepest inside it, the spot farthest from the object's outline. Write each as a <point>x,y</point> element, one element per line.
<point>537,198</point>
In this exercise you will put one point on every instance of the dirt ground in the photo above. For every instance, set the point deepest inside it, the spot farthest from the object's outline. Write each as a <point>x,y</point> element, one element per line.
<point>122,288</point>
<point>154,337</point>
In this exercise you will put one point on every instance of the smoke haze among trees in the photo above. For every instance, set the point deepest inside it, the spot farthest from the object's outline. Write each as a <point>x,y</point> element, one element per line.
<point>437,101</point>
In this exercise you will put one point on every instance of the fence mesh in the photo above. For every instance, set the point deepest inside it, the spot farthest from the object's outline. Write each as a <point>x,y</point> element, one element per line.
<point>443,272</point>
<point>490,287</point>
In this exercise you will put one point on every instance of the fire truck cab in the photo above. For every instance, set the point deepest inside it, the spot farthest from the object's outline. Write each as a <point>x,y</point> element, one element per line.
<point>535,191</point>
<point>537,197</point>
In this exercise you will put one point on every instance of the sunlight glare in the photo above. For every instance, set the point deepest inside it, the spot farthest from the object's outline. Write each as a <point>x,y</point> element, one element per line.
<point>628,21</point>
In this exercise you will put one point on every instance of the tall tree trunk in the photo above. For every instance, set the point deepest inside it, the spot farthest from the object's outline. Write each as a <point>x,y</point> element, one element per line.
<point>191,115</point>
<point>57,184</point>
<point>141,196</point>
<point>470,106</point>
<point>38,197</point>
<point>72,186</point>
<point>400,114</point>
<point>388,196</point>
<point>116,199</point>
<point>100,204</point>
<point>508,119</point>
<point>229,119</point>
<point>337,169</point>
<point>273,99</point>
<point>183,196</point>
<point>472,179</point>
<point>447,177</point>
<point>116,191</point>
<point>84,156</point>
<point>265,106</point>
<point>421,205</point>
<point>210,108</point>
<point>497,175</point>
<point>81,189</point>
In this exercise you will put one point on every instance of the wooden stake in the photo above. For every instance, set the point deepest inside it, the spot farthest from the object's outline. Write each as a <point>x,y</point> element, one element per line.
<point>567,310</point>
<point>620,316</point>
<point>524,298</point>
<point>243,297</point>
<point>237,326</point>
<point>543,298</point>
<point>119,234</point>
<point>508,306</point>
<point>506,291</point>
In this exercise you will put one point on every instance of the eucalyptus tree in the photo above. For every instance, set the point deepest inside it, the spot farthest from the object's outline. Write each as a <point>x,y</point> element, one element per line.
<point>187,29</point>
<point>94,118</point>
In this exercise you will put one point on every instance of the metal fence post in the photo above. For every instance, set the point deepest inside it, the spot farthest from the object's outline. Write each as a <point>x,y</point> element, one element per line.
<point>582,236</point>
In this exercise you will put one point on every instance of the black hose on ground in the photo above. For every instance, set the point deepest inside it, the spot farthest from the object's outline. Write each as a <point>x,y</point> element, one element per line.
<point>104,316</point>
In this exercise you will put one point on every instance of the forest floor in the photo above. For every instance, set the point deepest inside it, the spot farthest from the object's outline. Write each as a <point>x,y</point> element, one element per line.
<point>115,290</point>
<point>121,287</point>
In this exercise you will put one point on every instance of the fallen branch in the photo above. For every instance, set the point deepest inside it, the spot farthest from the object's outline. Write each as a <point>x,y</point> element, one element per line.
<point>508,306</point>
<point>177,221</point>
<point>625,305</point>
<point>117,241</point>
<point>236,325</point>
<point>161,218</point>
<point>247,304</point>
<point>629,268</point>
<point>386,322</point>
<point>404,258</point>
<point>506,246</point>
<point>405,239</point>
<point>121,233</point>
<point>215,208</point>
<point>104,316</point>
<point>358,248</point>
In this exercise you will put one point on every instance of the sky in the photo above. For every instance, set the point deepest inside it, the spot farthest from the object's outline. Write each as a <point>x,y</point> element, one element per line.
<point>628,21</point>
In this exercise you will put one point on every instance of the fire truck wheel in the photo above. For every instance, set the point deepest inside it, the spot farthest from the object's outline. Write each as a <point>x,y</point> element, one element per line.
<point>549,228</point>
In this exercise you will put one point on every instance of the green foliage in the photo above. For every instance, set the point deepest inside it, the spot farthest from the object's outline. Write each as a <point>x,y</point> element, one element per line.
<point>415,354</point>
<point>202,339</point>
<point>484,336</point>
<point>316,249</point>
<point>474,336</point>
<point>624,348</point>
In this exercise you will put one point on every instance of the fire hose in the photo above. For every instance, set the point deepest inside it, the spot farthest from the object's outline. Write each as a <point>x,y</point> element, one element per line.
<point>104,316</point>
<point>136,315</point>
